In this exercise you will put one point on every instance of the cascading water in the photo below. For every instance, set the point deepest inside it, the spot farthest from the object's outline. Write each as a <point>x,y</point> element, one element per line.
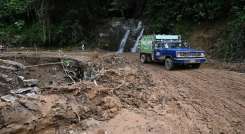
<point>139,26</point>
<point>123,42</point>
<point>134,49</point>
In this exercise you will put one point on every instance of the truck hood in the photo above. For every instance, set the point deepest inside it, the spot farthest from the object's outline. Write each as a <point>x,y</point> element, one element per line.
<point>185,50</point>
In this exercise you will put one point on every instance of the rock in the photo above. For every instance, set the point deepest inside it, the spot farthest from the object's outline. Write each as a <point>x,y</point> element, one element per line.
<point>8,98</point>
<point>4,88</point>
<point>9,71</point>
<point>17,65</point>
<point>7,68</point>
<point>5,78</point>
<point>29,105</point>
<point>30,90</point>
<point>21,78</point>
<point>30,82</point>
<point>111,34</point>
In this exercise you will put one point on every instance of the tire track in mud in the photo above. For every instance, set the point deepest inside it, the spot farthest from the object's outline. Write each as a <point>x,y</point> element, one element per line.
<point>212,100</point>
<point>219,99</point>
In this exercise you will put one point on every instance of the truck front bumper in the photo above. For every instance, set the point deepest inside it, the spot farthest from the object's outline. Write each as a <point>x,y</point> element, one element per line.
<point>185,61</point>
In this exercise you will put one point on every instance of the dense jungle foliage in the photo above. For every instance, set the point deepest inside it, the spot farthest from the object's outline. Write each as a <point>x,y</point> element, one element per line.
<point>55,23</point>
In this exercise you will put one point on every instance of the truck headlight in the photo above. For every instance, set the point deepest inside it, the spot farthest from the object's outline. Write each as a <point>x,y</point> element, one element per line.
<point>202,54</point>
<point>178,54</point>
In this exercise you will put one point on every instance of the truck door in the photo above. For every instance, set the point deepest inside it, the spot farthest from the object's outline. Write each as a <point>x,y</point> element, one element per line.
<point>157,50</point>
<point>161,51</point>
<point>153,55</point>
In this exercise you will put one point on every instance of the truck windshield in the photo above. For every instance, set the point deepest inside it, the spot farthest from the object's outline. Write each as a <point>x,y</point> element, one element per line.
<point>174,45</point>
<point>170,45</point>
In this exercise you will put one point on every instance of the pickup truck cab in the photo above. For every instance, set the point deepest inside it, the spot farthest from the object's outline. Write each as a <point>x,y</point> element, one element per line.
<point>169,49</point>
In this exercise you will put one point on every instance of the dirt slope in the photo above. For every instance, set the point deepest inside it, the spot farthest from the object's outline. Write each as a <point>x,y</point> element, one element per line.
<point>132,98</point>
<point>193,101</point>
<point>205,100</point>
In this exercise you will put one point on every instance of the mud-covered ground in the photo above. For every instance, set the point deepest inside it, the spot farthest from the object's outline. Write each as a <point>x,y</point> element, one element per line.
<point>126,97</point>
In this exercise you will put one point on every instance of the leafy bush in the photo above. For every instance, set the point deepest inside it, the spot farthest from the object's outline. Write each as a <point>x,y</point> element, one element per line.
<point>10,7</point>
<point>19,35</point>
<point>233,45</point>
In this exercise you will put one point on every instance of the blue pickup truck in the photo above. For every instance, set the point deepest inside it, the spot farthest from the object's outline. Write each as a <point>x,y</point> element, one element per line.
<point>169,49</point>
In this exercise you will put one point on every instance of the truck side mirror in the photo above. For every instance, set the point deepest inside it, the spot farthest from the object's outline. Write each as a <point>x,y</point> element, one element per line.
<point>186,44</point>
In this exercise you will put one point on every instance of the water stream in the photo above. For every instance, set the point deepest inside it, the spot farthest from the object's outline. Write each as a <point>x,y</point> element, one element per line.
<point>134,49</point>
<point>139,26</point>
<point>123,42</point>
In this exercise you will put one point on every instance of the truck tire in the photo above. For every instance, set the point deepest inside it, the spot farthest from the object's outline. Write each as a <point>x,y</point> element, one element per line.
<point>196,66</point>
<point>143,58</point>
<point>149,58</point>
<point>169,64</point>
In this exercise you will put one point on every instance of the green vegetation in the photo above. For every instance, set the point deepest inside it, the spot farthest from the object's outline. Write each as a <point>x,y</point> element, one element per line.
<point>56,23</point>
<point>232,45</point>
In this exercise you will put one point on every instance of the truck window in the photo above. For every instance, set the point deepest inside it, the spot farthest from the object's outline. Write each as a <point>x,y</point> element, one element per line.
<point>159,45</point>
<point>175,45</point>
<point>164,44</point>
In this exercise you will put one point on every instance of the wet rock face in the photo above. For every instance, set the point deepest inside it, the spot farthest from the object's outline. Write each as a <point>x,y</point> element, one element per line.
<point>9,72</point>
<point>38,72</point>
<point>112,33</point>
<point>12,81</point>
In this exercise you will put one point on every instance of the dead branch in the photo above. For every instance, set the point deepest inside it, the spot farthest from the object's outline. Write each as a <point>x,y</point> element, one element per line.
<point>46,64</point>
<point>64,69</point>
<point>12,63</point>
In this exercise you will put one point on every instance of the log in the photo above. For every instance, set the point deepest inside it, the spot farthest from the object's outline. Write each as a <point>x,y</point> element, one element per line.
<point>12,63</point>
<point>46,64</point>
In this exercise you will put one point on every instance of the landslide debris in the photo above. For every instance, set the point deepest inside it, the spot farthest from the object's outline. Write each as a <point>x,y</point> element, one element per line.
<point>110,84</point>
<point>9,72</point>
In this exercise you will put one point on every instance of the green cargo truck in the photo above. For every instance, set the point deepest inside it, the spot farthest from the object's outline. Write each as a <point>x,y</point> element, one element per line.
<point>170,50</point>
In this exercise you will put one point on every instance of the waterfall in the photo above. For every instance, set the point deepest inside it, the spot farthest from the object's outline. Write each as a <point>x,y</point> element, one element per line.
<point>139,26</point>
<point>123,42</point>
<point>134,49</point>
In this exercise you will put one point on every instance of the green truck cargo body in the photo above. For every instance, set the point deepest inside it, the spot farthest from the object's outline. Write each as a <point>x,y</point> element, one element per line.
<point>146,44</point>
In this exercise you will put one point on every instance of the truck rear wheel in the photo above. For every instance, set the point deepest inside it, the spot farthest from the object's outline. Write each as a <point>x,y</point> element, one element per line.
<point>169,64</point>
<point>143,58</point>
<point>149,58</point>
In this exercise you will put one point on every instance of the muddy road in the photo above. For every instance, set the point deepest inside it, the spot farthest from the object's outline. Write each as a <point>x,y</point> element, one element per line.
<point>183,101</point>
<point>204,101</point>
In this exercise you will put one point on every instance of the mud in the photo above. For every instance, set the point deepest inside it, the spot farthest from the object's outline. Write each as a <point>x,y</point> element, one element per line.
<point>107,87</point>
<point>116,94</point>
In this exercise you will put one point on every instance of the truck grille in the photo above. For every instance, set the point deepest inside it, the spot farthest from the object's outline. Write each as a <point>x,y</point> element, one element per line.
<point>190,54</point>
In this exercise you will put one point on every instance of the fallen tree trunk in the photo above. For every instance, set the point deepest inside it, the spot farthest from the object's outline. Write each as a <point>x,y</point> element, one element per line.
<point>12,63</point>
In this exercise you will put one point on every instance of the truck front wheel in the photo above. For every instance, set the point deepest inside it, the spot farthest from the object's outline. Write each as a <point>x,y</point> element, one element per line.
<point>196,66</point>
<point>169,64</point>
<point>143,58</point>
